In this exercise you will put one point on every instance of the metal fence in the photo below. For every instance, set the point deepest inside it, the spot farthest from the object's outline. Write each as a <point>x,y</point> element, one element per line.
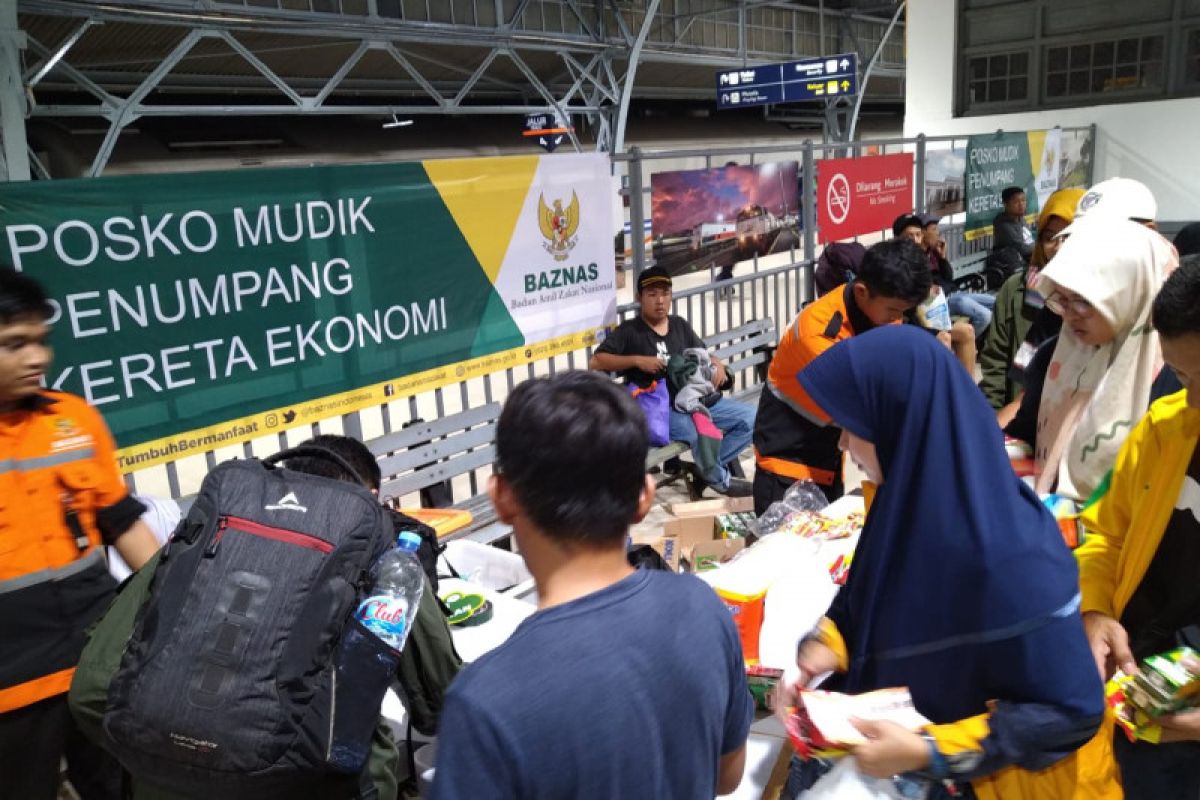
<point>776,293</point>
<point>637,167</point>
<point>759,290</point>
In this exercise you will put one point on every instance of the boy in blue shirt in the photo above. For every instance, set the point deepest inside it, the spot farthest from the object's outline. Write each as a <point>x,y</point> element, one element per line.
<point>624,683</point>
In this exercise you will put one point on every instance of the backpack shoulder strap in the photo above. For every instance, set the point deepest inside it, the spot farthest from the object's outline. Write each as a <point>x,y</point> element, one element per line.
<point>312,451</point>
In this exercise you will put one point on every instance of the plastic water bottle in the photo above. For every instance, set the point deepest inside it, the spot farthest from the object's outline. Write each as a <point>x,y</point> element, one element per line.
<point>399,581</point>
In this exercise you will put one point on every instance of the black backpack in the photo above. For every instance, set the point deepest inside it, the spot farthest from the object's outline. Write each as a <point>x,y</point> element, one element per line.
<point>247,675</point>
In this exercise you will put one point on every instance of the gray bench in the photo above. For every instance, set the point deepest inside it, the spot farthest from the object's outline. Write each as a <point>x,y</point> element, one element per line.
<point>968,272</point>
<point>744,348</point>
<point>431,453</point>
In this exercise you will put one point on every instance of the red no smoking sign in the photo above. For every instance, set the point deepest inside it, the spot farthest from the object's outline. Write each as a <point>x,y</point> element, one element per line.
<point>862,195</point>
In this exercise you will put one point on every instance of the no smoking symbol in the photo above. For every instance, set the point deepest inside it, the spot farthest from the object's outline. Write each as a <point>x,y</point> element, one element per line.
<point>837,199</point>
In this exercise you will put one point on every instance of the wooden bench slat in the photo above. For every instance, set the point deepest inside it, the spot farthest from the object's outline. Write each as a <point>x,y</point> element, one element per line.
<point>436,451</point>
<point>407,484</point>
<point>749,345</point>
<point>749,329</point>
<point>424,431</point>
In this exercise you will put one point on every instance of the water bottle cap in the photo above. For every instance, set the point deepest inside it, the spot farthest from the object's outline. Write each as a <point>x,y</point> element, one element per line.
<point>408,541</point>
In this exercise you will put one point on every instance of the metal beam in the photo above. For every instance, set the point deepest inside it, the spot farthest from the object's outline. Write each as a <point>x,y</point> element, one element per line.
<point>340,75</point>
<point>610,93</point>
<point>13,104</point>
<point>785,6</point>
<point>90,86</point>
<point>57,55</point>
<point>126,114</point>
<point>862,89</point>
<point>625,32</point>
<point>257,63</point>
<point>574,6</point>
<point>545,93</point>
<point>391,50</point>
<point>475,76</point>
<point>161,110</point>
<point>344,26</point>
<point>635,53</point>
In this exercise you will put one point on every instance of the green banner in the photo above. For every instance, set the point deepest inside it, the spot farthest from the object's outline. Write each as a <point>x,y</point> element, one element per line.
<point>203,309</point>
<point>994,162</point>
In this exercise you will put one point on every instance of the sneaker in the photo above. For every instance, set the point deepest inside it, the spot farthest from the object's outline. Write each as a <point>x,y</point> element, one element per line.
<point>738,487</point>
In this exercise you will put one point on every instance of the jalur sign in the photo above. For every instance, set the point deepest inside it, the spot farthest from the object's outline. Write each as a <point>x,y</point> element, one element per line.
<point>810,79</point>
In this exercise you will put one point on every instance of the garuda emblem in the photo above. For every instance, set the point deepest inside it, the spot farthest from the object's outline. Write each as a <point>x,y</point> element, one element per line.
<point>559,225</point>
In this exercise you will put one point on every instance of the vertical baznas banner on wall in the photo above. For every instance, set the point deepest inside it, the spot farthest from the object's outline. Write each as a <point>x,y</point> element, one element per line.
<point>200,310</point>
<point>995,161</point>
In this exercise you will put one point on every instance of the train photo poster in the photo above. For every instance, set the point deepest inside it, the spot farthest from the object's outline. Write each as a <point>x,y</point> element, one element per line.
<point>716,217</point>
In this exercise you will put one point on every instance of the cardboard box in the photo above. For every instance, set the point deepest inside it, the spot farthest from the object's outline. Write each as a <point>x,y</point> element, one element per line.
<point>710,508</point>
<point>695,530</point>
<point>666,545</point>
<point>703,556</point>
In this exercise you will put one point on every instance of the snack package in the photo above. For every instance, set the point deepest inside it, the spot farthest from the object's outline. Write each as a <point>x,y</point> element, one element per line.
<point>1066,514</point>
<point>819,725</point>
<point>1165,684</point>
<point>934,311</point>
<point>736,525</point>
<point>812,525</point>
<point>762,681</point>
<point>1020,455</point>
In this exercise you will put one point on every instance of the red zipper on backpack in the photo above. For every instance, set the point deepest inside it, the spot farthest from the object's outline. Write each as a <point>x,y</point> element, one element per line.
<point>267,532</point>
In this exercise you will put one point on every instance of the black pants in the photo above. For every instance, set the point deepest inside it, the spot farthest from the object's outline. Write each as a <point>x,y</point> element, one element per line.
<point>33,741</point>
<point>1157,771</point>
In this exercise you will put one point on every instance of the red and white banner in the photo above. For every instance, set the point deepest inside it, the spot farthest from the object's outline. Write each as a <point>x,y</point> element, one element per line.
<point>862,195</point>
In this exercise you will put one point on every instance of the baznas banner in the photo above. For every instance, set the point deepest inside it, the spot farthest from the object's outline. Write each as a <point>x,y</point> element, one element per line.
<point>995,161</point>
<point>195,311</point>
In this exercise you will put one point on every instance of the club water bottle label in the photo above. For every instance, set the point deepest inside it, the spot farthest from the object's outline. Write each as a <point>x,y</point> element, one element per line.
<point>385,616</point>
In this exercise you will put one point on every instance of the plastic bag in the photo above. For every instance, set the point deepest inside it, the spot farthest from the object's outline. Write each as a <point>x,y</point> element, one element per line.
<point>845,782</point>
<point>655,403</point>
<point>800,496</point>
<point>934,311</point>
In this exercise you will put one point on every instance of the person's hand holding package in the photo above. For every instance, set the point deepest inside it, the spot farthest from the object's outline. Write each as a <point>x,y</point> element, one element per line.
<point>1109,643</point>
<point>890,749</point>
<point>813,658</point>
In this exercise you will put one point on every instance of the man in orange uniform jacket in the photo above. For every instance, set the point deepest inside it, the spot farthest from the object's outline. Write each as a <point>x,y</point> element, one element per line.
<point>793,438</point>
<point>61,499</point>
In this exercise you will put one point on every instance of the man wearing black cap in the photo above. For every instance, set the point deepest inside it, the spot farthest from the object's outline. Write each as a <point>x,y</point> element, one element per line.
<point>640,348</point>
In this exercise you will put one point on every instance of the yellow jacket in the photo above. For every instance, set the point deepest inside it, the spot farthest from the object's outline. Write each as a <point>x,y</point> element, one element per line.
<point>1125,527</point>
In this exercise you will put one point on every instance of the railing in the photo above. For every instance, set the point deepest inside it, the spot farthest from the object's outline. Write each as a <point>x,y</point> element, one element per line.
<point>636,167</point>
<point>777,293</point>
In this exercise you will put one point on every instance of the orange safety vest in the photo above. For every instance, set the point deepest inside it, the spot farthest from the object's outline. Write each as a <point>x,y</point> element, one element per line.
<point>792,437</point>
<point>57,470</point>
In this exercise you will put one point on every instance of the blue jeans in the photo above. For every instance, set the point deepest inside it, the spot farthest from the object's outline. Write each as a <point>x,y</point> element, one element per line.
<point>977,307</point>
<point>1158,770</point>
<point>735,420</point>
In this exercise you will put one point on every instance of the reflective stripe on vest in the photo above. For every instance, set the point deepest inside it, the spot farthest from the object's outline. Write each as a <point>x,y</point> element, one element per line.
<point>60,574</point>
<point>42,462</point>
<point>794,470</point>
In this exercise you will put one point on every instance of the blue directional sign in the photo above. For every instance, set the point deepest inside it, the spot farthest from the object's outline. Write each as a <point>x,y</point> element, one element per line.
<point>810,79</point>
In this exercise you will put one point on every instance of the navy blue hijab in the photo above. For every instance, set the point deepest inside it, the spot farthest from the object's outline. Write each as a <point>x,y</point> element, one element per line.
<point>958,560</point>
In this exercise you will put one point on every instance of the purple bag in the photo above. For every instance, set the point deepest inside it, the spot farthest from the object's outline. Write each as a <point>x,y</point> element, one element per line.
<point>656,405</point>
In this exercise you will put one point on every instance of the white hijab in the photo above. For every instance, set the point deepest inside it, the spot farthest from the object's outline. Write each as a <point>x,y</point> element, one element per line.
<point>1093,396</point>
